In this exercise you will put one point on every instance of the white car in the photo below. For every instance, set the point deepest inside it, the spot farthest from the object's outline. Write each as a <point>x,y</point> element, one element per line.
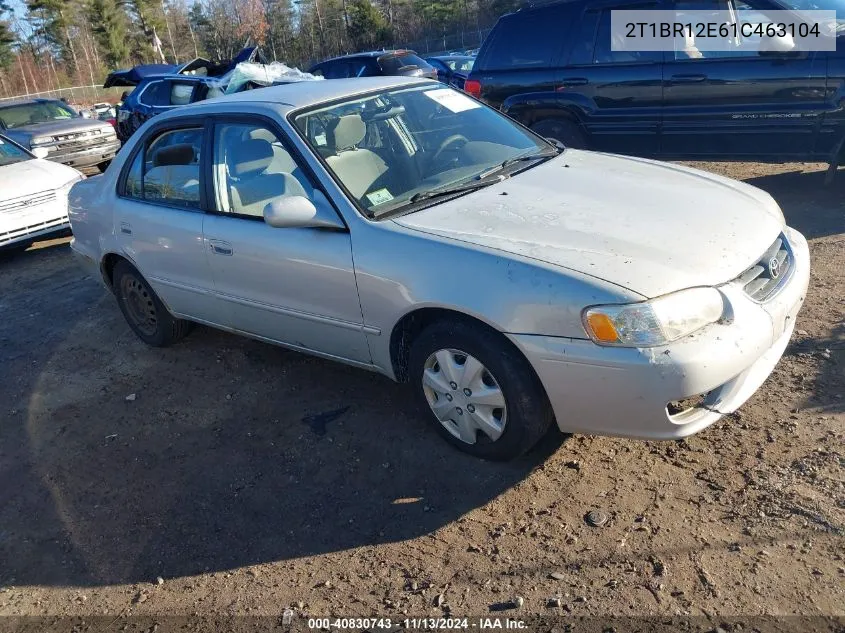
<point>398,225</point>
<point>33,194</point>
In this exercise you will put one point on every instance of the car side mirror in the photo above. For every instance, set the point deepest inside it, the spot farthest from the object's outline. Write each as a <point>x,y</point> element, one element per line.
<point>777,45</point>
<point>289,212</point>
<point>40,152</point>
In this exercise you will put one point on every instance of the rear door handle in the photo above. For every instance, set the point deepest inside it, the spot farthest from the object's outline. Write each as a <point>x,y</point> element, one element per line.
<point>219,247</point>
<point>125,227</point>
<point>574,81</point>
<point>687,79</point>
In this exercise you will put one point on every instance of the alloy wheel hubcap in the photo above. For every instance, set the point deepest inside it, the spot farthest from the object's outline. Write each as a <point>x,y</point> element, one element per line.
<point>139,305</point>
<point>464,396</point>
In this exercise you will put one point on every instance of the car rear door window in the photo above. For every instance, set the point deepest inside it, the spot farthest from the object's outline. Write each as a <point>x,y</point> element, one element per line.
<point>394,64</point>
<point>530,39</point>
<point>157,93</point>
<point>167,170</point>
<point>609,47</point>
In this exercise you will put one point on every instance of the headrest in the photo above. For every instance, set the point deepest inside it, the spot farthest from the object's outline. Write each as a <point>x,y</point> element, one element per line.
<point>181,154</point>
<point>263,134</point>
<point>347,132</point>
<point>250,157</point>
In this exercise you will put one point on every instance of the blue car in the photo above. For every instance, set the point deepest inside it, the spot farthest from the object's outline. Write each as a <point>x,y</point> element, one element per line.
<point>161,87</point>
<point>161,93</point>
<point>452,69</point>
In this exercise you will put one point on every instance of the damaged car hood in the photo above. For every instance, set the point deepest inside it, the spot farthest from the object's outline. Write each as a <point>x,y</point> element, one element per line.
<point>650,227</point>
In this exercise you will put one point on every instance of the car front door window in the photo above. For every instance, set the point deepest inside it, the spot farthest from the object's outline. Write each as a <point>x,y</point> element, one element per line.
<point>252,168</point>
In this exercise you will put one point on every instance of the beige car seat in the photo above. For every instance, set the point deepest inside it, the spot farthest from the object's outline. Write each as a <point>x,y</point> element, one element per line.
<point>251,183</point>
<point>357,168</point>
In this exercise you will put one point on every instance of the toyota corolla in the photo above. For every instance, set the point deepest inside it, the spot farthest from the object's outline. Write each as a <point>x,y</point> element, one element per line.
<point>401,226</point>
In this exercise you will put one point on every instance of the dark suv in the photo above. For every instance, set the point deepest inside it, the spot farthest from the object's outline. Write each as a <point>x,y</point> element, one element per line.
<point>552,68</point>
<point>374,64</point>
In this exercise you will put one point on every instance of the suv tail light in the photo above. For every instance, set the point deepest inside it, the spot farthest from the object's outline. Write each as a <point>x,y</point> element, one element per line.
<point>473,87</point>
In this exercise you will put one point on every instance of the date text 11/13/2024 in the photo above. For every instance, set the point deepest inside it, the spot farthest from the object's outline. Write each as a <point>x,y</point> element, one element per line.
<point>429,624</point>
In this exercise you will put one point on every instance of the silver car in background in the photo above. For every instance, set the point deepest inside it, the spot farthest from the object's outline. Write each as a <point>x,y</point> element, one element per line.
<point>401,226</point>
<point>59,131</point>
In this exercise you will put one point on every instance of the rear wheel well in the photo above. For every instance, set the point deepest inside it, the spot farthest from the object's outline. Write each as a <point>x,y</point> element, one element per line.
<point>107,267</point>
<point>412,324</point>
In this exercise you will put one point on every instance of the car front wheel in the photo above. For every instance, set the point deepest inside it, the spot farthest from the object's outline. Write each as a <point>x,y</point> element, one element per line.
<point>144,311</point>
<point>480,392</point>
<point>567,132</point>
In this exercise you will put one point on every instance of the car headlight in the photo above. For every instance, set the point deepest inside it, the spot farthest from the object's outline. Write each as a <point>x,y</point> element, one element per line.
<point>40,140</point>
<point>655,322</point>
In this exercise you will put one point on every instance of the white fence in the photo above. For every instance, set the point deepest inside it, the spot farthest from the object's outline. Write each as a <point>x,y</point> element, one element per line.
<point>81,95</point>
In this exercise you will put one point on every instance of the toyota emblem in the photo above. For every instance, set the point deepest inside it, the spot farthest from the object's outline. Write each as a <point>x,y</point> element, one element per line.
<point>774,268</point>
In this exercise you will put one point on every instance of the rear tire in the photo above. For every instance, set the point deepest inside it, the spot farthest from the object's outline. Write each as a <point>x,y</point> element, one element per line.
<point>500,413</point>
<point>564,130</point>
<point>143,310</point>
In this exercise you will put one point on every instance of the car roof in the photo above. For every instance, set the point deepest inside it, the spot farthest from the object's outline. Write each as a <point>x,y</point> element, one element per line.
<point>150,78</point>
<point>25,101</point>
<point>370,54</point>
<point>300,94</point>
<point>441,57</point>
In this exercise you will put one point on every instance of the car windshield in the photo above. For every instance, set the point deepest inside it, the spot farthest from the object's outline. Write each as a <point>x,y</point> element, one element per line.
<point>393,148</point>
<point>10,154</point>
<point>29,113</point>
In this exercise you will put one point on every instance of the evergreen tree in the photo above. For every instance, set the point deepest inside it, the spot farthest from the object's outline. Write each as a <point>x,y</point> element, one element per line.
<point>108,22</point>
<point>368,28</point>
<point>7,38</point>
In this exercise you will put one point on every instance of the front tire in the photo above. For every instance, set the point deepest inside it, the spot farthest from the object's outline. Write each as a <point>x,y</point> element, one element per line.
<point>564,130</point>
<point>478,390</point>
<point>144,311</point>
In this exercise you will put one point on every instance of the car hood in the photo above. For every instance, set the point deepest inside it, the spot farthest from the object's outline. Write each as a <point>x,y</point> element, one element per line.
<point>33,176</point>
<point>61,126</point>
<point>647,226</point>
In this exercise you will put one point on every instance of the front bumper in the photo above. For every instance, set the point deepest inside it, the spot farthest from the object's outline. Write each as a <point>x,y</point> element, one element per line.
<point>625,391</point>
<point>86,156</point>
<point>32,229</point>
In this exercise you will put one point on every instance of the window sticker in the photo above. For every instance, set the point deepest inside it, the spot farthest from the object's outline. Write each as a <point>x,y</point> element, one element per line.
<point>452,100</point>
<point>379,197</point>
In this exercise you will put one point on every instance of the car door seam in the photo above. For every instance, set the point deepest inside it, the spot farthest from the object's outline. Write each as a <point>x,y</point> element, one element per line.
<point>299,314</point>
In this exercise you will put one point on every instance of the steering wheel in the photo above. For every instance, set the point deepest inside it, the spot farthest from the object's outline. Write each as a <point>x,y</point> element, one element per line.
<point>451,144</point>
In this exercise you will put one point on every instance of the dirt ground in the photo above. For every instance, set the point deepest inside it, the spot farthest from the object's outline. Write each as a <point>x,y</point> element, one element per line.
<point>227,477</point>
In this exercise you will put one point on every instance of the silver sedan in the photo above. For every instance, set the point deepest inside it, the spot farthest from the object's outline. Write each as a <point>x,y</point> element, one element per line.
<point>403,227</point>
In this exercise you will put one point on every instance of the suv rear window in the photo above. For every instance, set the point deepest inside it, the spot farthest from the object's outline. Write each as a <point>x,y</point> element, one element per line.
<point>528,39</point>
<point>166,93</point>
<point>394,63</point>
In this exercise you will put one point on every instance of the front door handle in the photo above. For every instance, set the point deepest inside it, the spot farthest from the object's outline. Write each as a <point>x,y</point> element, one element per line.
<point>574,81</point>
<point>219,247</point>
<point>686,79</point>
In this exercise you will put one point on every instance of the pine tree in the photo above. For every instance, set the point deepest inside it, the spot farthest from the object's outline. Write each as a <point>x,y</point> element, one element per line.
<point>7,39</point>
<point>108,22</point>
<point>368,28</point>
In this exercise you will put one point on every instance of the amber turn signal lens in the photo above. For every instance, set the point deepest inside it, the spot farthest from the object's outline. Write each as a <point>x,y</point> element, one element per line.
<point>602,328</point>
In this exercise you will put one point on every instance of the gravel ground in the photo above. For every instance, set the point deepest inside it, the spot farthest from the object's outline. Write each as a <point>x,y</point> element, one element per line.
<point>227,477</point>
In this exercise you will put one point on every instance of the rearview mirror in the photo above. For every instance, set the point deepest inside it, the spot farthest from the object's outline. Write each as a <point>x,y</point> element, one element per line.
<point>40,152</point>
<point>289,212</point>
